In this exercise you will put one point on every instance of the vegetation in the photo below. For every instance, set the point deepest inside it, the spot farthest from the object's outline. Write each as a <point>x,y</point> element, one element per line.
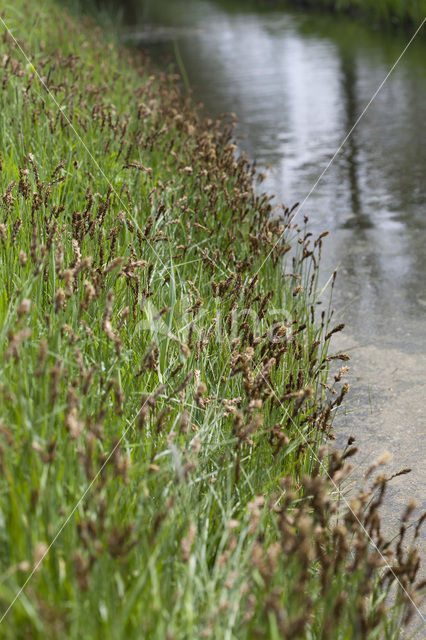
<point>406,13</point>
<point>397,12</point>
<point>166,381</point>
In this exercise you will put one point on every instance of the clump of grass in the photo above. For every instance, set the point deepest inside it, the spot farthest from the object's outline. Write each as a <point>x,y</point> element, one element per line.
<point>165,388</point>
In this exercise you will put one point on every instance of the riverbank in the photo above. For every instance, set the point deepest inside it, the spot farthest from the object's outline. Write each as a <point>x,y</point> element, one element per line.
<point>394,13</point>
<point>163,399</point>
<point>388,12</point>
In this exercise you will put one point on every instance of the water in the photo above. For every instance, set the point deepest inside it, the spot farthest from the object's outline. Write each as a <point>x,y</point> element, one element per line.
<point>298,82</point>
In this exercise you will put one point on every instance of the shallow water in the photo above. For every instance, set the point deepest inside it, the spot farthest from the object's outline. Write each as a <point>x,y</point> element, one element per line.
<point>298,82</point>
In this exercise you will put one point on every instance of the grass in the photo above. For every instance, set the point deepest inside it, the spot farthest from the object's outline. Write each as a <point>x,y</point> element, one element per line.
<point>166,383</point>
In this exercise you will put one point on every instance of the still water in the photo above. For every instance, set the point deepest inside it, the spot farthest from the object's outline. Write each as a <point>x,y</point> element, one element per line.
<point>297,83</point>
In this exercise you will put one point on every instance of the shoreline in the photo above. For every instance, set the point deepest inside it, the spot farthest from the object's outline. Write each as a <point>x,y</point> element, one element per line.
<point>391,15</point>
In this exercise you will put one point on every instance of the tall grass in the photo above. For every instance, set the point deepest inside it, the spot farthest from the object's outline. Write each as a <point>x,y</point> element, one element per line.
<point>166,381</point>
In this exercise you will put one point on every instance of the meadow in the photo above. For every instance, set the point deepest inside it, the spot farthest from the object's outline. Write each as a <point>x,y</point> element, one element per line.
<point>167,379</point>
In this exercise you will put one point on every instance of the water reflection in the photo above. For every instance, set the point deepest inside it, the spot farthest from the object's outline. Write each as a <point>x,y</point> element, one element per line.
<point>349,78</point>
<point>298,85</point>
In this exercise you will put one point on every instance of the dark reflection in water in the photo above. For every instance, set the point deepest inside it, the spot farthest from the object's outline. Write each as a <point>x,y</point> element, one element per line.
<point>298,83</point>
<point>351,151</point>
